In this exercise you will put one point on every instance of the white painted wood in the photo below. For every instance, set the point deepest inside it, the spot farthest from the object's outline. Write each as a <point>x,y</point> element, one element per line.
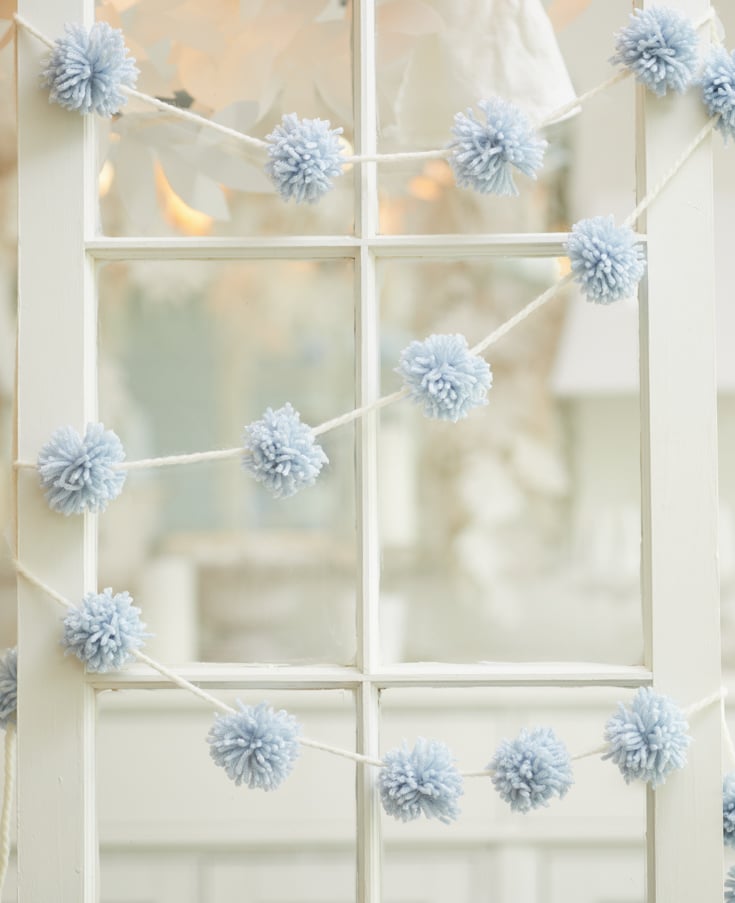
<point>56,385</point>
<point>679,482</point>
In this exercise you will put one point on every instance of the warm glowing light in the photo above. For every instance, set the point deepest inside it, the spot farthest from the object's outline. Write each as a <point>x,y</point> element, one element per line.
<point>440,171</point>
<point>564,265</point>
<point>178,213</point>
<point>106,178</point>
<point>424,189</point>
<point>348,150</point>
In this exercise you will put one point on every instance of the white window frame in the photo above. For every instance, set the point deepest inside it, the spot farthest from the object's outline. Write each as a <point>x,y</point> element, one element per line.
<point>59,250</point>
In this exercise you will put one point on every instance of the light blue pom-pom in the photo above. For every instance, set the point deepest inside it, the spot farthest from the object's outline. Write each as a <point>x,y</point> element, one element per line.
<point>281,452</point>
<point>648,740</point>
<point>256,746</point>
<point>718,88</point>
<point>8,687</point>
<point>77,473</point>
<point>444,377</point>
<point>659,47</point>
<point>728,809</point>
<point>104,631</point>
<point>304,156</point>
<point>483,154</point>
<point>421,781</point>
<point>530,770</point>
<point>730,885</point>
<point>607,262</point>
<point>86,70</point>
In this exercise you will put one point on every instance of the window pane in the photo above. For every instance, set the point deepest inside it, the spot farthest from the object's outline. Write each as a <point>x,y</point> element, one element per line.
<point>189,353</point>
<point>513,534</point>
<point>595,832</point>
<point>243,64</point>
<point>174,827</point>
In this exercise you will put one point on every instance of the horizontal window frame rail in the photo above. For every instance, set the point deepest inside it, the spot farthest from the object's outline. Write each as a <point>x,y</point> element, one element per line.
<point>428,675</point>
<point>548,244</point>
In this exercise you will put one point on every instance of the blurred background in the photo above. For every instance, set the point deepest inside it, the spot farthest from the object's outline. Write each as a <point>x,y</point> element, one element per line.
<point>514,536</point>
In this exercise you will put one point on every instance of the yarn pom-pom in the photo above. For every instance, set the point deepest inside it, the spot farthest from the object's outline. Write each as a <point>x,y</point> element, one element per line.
<point>483,154</point>
<point>728,809</point>
<point>104,631</point>
<point>649,740</point>
<point>730,885</point>
<point>280,452</point>
<point>77,473</point>
<point>531,769</point>
<point>421,781</point>
<point>86,70</point>
<point>444,377</point>
<point>305,155</point>
<point>659,47</point>
<point>256,746</point>
<point>606,260</point>
<point>718,88</point>
<point>8,687</point>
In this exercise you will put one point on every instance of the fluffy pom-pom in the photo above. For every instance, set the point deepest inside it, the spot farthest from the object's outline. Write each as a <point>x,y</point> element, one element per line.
<point>531,769</point>
<point>281,452</point>
<point>421,781</point>
<point>8,687</point>
<point>86,70</point>
<point>649,740</point>
<point>718,88</point>
<point>256,746</point>
<point>444,377</point>
<point>483,154</point>
<point>104,631</point>
<point>728,809</point>
<point>305,155</point>
<point>77,473</point>
<point>606,260</point>
<point>730,885</point>
<point>659,47</point>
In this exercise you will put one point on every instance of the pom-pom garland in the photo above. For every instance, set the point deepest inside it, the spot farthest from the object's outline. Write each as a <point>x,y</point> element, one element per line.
<point>421,781</point>
<point>8,687</point>
<point>86,70</point>
<point>659,47</point>
<point>648,740</point>
<point>77,473</point>
<point>483,154</point>
<point>728,809</point>
<point>281,452</point>
<point>530,770</point>
<point>304,156</point>
<point>730,885</point>
<point>718,88</point>
<point>104,631</point>
<point>256,746</point>
<point>444,377</point>
<point>606,260</point>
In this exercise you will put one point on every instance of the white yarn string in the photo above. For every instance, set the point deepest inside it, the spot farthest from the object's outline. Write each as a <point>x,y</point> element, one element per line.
<point>24,23</point>
<point>172,460</point>
<point>578,101</point>
<point>31,578</point>
<point>399,157</point>
<point>8,791</point>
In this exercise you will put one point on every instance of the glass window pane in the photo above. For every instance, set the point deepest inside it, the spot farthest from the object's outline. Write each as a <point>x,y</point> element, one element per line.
<point>190,352</point>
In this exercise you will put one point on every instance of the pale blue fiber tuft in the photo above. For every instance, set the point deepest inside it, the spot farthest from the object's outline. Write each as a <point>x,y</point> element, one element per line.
<point>718,88</point>
<point>730,885</point>
<point>444,377</point>
<point>304,156</point>
<point>728,809</point>
<point>421,781</point>
<point>607,261</point>
<point>648,740</point>
<point>530,770</point>
<point>483,154</point>
<point>659,47</point>
<point>281,452</point>
<point>77,473</point>
<point>8,687</point>
<point>256,746</point>
<point>86,70</point>
<point>104,631</point>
